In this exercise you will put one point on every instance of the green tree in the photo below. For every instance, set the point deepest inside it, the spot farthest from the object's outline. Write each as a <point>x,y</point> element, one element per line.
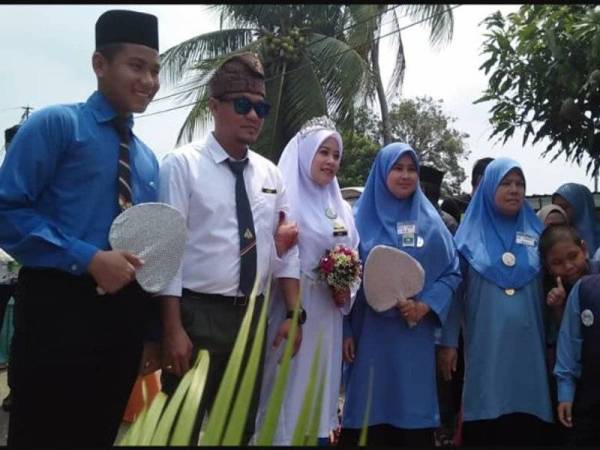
<point>310,68</point>
<point>544,78</point>
<point>419,122</point>
<point>368,21</point>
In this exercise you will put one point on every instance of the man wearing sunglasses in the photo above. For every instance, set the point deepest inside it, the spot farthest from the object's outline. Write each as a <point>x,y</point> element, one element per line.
<point>233,200</point>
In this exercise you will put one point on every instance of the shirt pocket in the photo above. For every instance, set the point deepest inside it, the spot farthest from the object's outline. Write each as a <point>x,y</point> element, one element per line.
<point>265,214</point>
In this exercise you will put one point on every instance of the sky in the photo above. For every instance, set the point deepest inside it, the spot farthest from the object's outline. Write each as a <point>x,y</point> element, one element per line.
<point>46,59</point>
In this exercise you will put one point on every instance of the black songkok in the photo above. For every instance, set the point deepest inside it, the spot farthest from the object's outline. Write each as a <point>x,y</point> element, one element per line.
<point>9,134</point>
<point>430,175</point>
<point>127,27</point>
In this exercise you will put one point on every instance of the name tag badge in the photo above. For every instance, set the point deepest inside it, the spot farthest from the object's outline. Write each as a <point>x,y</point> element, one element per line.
<point>339,230</point>
<point>525,239</point>
<point>406,228</point>
<point>269,190</point>
<point>408,240</point>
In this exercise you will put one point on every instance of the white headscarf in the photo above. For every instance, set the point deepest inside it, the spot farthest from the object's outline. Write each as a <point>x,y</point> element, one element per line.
<point>309,201</point>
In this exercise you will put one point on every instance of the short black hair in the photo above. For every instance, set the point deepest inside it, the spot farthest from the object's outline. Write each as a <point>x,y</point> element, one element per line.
<point>110,51</point>
<point>478,169</point>
<point>553,234</point>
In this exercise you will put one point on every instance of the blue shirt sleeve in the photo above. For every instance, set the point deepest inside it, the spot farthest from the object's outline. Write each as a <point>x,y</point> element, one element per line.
<point>26,233</point>
<point>451,327</point>
<point>568,351</point>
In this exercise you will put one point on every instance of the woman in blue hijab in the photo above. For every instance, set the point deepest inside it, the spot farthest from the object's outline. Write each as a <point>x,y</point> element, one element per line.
<point>506,397</point>
<point>578,202</point>
<point>404,405</point>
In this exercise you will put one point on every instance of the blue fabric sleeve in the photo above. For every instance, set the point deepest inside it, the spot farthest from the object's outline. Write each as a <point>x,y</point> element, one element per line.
<point>451,327</point>
<point>568,352</point>
<point>439,296</point>
<point>29,168</point>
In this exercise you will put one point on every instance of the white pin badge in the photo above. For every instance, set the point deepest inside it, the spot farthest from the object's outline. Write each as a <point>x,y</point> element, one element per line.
<point>330,213</point>
<point>509,259</point>
<point>510,292</point>
<point>587,317</point>
<point>420,242</point>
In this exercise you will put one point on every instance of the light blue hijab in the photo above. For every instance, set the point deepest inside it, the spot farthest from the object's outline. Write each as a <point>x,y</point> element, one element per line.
<point>584,213</point>
<point>378,211</point>
<point>485,234</point>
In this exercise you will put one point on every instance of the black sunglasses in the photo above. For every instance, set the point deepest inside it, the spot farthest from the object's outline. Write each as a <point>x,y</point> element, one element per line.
<point>242,106</point>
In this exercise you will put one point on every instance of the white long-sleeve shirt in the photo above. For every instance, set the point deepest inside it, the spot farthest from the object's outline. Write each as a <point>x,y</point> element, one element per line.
<point>196,180</point>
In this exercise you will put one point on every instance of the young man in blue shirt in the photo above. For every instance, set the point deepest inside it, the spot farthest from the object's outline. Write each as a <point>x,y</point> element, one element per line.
<point>76,352</point>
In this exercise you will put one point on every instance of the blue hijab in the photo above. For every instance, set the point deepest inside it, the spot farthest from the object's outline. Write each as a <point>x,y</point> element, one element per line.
<point>485,234</point>
<point>584,213</point>
<point>378,212</point>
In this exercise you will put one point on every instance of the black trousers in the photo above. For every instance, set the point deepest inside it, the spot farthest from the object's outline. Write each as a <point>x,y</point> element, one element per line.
<point>212,322</point>
<point>75,358</point>
<point>378,435</point>
<point>516,429</point>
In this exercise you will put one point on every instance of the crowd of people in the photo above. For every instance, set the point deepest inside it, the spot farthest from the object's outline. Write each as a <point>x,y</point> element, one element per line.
<point>499,347</point>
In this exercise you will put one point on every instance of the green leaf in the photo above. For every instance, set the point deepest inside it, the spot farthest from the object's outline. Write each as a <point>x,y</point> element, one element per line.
<point>313,432</point>
<point>301,430</point>
<point>152,417</point>
<point>189,409</point>
<point>362,440</point>
<point>163,430</point>
<point>265,436</point>
<point>219,413</point>
<point>239,415</point>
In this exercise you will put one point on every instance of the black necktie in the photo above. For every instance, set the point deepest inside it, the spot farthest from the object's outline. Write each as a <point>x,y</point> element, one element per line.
<point>124,170</point>
<point>245,228</point>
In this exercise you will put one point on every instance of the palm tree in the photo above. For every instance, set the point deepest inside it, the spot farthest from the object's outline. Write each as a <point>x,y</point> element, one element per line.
<point>310,68</point>
<point>369,22</point>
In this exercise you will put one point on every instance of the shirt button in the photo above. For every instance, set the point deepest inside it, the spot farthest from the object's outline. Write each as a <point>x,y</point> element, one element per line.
<point>74,267</point>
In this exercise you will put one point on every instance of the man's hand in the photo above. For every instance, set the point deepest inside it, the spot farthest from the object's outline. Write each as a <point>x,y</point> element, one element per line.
<point>447,358</point>
<point>113,269</point>
<point>286,235</point>
<point>177,351</point>
<point>348,350</point>
<point>565,414</point>
<point>150,361</point>
<point>283,333</point>
<point>340,298</point>
<point>557,295</point>
<point>177,346</point>
<point>412,310</point>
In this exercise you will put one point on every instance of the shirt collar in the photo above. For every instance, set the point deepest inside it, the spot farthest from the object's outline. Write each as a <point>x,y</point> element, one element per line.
<point>217,152</point>
<point>103,110</point>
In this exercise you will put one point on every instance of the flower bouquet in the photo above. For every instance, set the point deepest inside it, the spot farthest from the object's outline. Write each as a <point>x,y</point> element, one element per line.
<point>339,268</point>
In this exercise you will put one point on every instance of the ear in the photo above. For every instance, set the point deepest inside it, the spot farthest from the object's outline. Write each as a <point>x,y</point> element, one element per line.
<point>213,105</point>
<point>585,249</point>
<point>99,64</point>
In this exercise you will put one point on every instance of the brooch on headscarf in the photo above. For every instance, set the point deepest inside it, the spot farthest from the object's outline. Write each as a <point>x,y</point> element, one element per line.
<point>317,124</point>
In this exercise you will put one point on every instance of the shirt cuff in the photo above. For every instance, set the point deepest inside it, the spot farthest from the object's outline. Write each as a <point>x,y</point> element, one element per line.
<point>566,391</point>
<point>286,267</point>
<point>81,254</point>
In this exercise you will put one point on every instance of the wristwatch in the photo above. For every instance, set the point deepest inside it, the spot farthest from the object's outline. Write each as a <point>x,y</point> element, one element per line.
<point>301,316</point>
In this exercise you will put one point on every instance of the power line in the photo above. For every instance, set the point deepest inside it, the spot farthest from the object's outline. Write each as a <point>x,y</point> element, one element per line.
<point>301,66</point>
<point>340,34</point>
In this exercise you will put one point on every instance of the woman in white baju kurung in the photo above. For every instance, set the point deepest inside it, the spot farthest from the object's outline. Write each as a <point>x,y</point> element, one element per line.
<point>309,164</point>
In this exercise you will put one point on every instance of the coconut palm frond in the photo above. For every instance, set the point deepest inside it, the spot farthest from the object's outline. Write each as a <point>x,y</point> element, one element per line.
<point>344,73</point>
<point>397,78</point>
<point>178,59</point>
<point>440,20</point>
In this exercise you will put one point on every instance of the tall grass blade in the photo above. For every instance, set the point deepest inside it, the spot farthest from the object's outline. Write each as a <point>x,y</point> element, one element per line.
<point>152,417</point>
<point>189,409</point>
<point>269,426</point>
<point>222,404</point>
<point>362,441</point>
<point>301,429</point>
<point>312,437</point>
<point>163,431</point>
<point>239,414</point>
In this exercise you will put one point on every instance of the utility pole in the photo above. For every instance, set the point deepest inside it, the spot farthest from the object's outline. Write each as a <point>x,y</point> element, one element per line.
<point>25,115</point>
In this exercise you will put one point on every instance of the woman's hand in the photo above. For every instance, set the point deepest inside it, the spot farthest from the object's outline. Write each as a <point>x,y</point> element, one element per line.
<point>348,350</point>
<point>340,298</point>
<point>564,414</point>
<point>413,310</point>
